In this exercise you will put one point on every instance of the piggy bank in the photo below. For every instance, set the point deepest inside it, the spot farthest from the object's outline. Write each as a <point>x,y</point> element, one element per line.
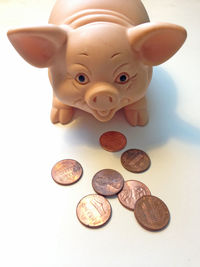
<point>100,55</point>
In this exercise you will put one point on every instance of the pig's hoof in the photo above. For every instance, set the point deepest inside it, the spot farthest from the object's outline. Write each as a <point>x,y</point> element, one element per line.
<point>136,118</point>
<point>63,116</point>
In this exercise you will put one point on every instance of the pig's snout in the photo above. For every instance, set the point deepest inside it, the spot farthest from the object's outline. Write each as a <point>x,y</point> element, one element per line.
<point>102,97</point>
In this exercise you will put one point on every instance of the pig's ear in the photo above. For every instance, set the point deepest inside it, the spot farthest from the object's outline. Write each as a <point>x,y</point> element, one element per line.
<point>38,45</point>
<point>156,42</point>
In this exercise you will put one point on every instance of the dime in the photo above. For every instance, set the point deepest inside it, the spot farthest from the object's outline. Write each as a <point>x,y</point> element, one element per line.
<point>66,172</point>
<point>113,141</point>
<point>131,192</point>
<point>93,211</point>
<point>135,160</point>
<point>151,213</point>
<point>107,182</point>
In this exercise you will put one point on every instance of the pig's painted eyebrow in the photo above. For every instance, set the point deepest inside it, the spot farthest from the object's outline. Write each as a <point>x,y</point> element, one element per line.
<point>84,67</point>
<point>115,54</point>
<point>83,54</point>
<point>122,65</point>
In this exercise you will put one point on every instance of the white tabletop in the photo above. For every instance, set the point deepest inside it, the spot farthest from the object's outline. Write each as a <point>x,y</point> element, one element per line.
<point>38,225</point>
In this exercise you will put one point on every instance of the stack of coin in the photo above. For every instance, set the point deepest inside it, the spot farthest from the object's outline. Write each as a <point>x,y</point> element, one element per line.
<point>150,211</point>
<point>94,210</point>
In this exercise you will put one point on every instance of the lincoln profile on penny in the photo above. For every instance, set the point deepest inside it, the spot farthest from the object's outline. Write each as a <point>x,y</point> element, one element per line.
<point>99,55</point>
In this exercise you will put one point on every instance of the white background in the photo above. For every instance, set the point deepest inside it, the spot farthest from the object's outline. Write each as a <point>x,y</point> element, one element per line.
<point>38,224</point>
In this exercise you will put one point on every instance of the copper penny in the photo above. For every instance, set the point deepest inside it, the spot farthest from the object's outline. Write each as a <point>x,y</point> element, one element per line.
<point>66,172</point>
<point>135,160</point>
<point>131,192</point>
<point>151,213</point>
<point>107,182</point>
<point>113,141</point>
<point>93,211</point>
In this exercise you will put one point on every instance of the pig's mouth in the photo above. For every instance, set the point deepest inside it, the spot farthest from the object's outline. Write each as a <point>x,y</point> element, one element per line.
<point>104,115</point>
<point>101,115</point>
<point>107,114</point>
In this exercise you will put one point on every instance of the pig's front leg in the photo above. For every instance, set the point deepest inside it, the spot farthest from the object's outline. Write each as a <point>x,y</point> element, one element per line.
<point>136,113</point>
<point>61,112</point>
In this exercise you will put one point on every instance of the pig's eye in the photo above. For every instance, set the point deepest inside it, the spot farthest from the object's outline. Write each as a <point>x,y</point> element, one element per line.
<point>122,78</point>
<point>82,78</point>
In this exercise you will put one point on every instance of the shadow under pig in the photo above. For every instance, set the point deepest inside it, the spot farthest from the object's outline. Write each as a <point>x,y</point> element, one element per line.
<point>164,122</point>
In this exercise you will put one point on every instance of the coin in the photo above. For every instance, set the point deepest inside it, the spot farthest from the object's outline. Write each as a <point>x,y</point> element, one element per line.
<point>112,141</point>
<point>135,160</point>
<point>93,211</point>
<point>151,213</point>
<point>131,192</point>
<point>107,182</point>
<point>66,172</point>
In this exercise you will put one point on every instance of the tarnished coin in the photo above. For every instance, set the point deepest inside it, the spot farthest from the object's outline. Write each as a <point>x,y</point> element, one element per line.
<point>131,192</point>
<point>107,182</point>
<point>135,160</point>
<point>93,211</point>
<point>66,172</point>
<point>151,213</point>
<point>113,141</point>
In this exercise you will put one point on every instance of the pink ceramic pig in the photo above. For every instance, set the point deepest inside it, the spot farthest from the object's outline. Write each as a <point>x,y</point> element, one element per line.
<point>100,55</point>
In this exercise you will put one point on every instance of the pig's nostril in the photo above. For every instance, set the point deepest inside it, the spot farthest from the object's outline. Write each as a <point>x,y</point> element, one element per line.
<point>105,99</point>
